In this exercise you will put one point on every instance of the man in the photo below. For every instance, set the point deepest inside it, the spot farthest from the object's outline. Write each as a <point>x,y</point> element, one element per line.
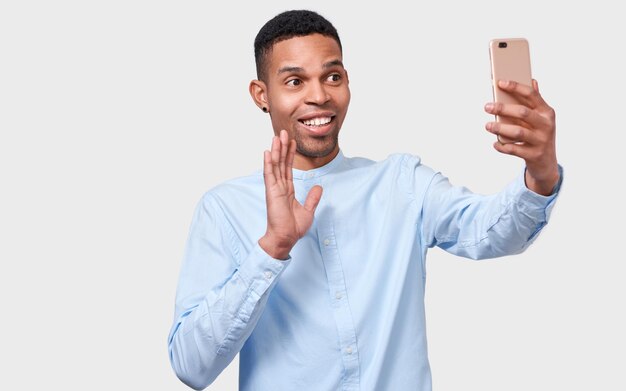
<point>325,291</point>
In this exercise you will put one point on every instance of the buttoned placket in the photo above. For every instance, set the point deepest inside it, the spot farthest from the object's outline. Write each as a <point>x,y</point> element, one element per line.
<point>337,290</point>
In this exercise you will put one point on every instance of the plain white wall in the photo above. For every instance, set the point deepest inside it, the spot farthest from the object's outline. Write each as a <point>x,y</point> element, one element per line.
<point>116,116</point>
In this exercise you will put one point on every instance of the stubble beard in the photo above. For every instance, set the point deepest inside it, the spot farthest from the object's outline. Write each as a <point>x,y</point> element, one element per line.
<point>317,147</point>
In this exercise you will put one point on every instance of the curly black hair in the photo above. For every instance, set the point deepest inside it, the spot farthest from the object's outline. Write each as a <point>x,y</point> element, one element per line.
<point>289,24</point>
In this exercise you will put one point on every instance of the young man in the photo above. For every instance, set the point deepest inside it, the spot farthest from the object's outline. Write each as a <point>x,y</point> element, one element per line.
<point>325,291</point>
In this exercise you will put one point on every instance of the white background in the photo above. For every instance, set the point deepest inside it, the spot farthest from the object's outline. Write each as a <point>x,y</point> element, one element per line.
<point>116,116</point>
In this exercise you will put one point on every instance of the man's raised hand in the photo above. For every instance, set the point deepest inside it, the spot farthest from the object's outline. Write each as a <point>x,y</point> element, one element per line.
<point>287,219</point>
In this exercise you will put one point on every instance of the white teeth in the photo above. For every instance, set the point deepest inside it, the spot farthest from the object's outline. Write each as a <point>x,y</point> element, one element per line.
<point>317,121</point>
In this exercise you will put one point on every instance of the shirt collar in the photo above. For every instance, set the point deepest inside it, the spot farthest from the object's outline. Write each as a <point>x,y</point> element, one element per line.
<point>317,172</point>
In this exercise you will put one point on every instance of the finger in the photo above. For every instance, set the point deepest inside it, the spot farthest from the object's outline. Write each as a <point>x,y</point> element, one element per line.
<point>313,198</point>
<point>543,105</point>
<point>525,93</point>
<point>511,133</point>
<point>284,139</point>
<point>268,172</point>
<point>290,157</point>
<point>520,92</point>
<point>276,157</point>
<point>519,150</point>
<point>516,112</point>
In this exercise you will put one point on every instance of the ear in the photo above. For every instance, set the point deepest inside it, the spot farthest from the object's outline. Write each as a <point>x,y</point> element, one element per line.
<point>347,78</point>
<point>258,92</point>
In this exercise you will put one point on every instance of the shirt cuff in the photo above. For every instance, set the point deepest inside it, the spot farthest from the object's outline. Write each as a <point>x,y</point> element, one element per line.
<point>260,270</point>
<point>536,206</point>
<point>538,201</point>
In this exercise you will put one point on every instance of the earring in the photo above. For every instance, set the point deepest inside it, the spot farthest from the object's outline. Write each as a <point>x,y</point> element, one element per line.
<point>264,109</point>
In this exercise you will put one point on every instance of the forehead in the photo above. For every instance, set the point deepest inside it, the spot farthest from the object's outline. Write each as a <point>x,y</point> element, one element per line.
<point>308,52</point>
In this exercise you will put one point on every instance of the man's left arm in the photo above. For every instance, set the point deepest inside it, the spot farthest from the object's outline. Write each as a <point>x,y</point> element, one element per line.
<point>505,223</point>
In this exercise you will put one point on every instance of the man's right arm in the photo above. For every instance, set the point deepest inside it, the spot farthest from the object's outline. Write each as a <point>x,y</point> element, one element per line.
<point>219,298</point>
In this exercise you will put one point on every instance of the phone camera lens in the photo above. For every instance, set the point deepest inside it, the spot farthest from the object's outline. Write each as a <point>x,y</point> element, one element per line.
<point>502,45</point>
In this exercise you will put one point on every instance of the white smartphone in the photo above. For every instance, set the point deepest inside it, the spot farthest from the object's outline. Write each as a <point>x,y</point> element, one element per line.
<point>510,60</point>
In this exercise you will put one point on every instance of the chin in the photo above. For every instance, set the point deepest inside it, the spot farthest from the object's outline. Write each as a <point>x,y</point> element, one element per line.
<point>316,151</point>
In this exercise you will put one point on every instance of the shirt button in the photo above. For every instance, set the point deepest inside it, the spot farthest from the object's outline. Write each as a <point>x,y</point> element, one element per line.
<point>268,275</point>
<point>326,242</point>
<point>338,296</point>
<point>310,175</point>
<point>349,350</point>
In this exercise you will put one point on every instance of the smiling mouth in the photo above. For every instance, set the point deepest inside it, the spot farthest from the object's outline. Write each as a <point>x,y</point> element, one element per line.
<point>317,122</point>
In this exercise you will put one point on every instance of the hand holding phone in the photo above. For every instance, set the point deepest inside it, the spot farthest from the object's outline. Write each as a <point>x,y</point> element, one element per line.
<point>510,60</point>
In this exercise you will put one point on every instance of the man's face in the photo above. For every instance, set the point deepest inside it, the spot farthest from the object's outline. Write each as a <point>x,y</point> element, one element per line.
<point>308,94</point>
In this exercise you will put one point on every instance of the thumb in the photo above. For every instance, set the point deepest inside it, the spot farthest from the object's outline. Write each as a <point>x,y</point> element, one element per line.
<point>313,198</point>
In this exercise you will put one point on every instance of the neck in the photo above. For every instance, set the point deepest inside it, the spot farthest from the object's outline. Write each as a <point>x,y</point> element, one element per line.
<point>305,163</point>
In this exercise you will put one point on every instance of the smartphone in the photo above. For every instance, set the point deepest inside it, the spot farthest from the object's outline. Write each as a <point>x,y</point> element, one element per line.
<point>510,60</point>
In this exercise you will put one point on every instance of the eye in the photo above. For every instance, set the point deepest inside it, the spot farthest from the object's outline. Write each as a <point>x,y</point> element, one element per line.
<point>335,77</point>
<point>294,82</point>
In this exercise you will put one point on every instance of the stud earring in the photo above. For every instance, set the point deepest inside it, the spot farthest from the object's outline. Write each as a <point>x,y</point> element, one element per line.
<point>264,109</point>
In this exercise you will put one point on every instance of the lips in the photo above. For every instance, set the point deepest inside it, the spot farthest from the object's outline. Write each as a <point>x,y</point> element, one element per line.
<point>317,121</point>
<point>320,124</point>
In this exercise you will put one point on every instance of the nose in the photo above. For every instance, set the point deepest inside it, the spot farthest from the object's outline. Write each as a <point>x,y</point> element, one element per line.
<point>317,94</point>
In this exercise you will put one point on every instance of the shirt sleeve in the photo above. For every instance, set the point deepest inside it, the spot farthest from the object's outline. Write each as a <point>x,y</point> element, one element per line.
<point>220,297</point>
<point>479,226</point>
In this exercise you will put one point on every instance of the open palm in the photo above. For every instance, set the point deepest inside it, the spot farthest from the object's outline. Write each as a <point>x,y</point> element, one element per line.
<point>287,219</point>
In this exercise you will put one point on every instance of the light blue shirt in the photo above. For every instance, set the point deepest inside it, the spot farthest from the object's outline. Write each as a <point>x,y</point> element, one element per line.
<point>346,310</point>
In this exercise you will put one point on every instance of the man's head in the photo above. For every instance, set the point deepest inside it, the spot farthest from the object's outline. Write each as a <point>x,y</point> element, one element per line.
<point>287,25</point>
<point>302,83</point>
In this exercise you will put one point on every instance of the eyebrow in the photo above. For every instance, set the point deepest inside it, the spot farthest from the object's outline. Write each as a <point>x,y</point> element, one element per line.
<point>290,69</point>
<point>294,69</point>
<point>333,63</point>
